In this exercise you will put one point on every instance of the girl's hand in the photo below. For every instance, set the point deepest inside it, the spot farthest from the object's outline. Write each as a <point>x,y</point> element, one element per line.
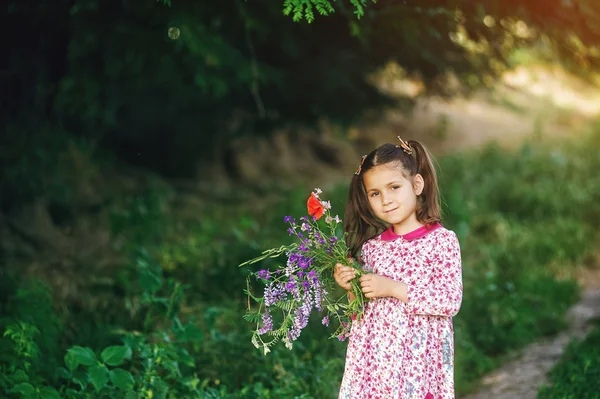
<point>376,286</point>
<point>343,275</point>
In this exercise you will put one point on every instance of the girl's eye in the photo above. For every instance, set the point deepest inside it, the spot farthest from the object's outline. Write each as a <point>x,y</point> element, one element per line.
<point>374,194</point>
<point>395,187</point>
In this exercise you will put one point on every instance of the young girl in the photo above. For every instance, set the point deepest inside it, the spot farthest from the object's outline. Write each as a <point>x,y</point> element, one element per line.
<point>403,346</point>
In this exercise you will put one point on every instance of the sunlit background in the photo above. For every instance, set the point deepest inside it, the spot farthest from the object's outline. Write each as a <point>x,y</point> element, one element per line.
<point>148,148</point>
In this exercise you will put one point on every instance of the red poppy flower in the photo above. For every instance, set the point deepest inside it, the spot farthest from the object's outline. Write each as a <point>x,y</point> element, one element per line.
<point>315,208</point>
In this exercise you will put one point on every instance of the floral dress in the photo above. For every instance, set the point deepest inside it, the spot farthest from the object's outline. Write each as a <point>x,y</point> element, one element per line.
<point>406,351</point>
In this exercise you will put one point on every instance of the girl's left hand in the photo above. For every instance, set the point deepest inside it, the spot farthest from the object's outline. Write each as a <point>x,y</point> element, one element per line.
<point>376,286</point>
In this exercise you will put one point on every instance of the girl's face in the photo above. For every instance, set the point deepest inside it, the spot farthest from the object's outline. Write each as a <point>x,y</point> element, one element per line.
<point>393,196</point>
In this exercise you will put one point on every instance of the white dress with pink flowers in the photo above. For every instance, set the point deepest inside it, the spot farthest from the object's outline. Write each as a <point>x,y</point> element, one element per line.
<point>406,351</point>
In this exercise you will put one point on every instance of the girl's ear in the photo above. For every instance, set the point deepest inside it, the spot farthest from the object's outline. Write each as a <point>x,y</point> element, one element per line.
<point>418,184</point>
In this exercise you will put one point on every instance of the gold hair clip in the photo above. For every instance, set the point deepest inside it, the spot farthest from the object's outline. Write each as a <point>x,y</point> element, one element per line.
<point>360,166</point>
<point>404,145</point>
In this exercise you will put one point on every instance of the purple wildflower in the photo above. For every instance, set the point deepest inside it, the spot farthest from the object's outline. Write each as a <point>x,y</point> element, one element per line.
<point>320,292</point>
<point>293,333</point>
<point>325,321</point>
<point>313,276</point>
<point>292,259</point>
<point>289,270</point>
<point>273,294</point>
<point>301,319</point>
<point>287,219</point>
<point>290,286</point>
<point>264,274</point>
<point>267,323</point>
<point>290,231</point>
<point>304,263</point>
<point>300,316</point>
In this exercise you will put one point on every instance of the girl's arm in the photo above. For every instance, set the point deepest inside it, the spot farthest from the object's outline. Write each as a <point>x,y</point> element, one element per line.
<point>442,294</point>
<point>377,286</point>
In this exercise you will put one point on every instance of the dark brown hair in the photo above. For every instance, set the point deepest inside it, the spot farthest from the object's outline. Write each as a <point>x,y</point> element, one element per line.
<point>360,224</point>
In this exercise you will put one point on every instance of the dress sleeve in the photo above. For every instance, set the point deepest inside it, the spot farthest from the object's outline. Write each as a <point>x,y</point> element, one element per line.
<point>441,294</point>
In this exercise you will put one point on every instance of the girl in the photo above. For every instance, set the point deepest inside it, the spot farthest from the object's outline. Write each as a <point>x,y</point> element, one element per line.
<point>403,346</point>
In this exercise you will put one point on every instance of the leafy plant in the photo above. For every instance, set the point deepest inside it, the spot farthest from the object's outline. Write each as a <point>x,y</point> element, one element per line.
<point>20,370</point>
<point>300,9</point>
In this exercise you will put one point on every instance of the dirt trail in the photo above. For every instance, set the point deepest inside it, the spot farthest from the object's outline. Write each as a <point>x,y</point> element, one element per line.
<point>522,377</point>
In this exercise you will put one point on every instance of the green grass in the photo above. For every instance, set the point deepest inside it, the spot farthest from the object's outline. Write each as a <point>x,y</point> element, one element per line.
<point>577,374</point>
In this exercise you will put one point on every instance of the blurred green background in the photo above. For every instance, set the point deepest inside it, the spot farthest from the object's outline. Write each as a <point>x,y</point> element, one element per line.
<point>148,148</point>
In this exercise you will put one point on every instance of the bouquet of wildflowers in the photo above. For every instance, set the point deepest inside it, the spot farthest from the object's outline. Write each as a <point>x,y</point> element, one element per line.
<point>305,282</point>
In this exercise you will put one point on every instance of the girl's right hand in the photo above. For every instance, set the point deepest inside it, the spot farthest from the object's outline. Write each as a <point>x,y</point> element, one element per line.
<point>343,275</point>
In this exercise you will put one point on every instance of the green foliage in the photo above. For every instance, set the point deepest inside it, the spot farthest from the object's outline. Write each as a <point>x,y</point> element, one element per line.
<point>28,391</point>
<point>18,373</point>
<point>159,363</point>
<point>28,350</point>
<point>112,71</point>
<point>303,9</point>
<point>39,165</point>
<point>576,374</point>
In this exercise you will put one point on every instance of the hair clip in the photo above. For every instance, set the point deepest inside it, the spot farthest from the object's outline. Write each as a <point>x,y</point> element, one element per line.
<point>405,147</point>
<point>360,166</point>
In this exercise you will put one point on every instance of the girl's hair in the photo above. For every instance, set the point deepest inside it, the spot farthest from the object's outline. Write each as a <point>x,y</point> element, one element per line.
<point>360,223</point>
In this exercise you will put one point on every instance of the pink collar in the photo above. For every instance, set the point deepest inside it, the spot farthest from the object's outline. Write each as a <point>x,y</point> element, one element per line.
<point>422,231</point>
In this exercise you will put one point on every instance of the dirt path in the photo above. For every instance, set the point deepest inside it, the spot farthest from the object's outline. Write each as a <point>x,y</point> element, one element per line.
<point>522,377</point>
